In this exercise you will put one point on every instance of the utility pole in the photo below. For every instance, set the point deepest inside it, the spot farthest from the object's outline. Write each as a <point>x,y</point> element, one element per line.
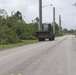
<point>40,15</point>
<point>54,21</point>
<point>59,23</point>
<point>75,31</point>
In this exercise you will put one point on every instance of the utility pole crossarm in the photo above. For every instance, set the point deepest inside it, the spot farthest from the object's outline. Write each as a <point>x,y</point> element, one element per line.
<point>47,5</point>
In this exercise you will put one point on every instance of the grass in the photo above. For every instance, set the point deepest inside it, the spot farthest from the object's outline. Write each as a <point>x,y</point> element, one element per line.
<point>24,42</point>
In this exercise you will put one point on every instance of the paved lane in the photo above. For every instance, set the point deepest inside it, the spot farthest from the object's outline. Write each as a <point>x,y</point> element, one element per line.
<point>44,58</point>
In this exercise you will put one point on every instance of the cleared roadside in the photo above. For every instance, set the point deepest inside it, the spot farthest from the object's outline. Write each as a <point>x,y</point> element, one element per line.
<point>21,57</point>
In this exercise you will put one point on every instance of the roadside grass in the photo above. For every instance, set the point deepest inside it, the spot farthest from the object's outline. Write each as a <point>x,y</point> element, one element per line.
<point>24,42</point>
<point>59,35</point>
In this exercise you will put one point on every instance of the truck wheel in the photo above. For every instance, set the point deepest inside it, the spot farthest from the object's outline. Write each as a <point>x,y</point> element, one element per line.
<point>40,39</point>
<point>53,38</point>
<point>50,39</point>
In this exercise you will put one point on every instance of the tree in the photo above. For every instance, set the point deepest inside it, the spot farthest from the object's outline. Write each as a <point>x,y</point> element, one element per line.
<point>13,28</point>
<point>65,30</point>
<point>18,16</point>
<point>3,13</point>
<point>56,28</point>
<point>37,20</point>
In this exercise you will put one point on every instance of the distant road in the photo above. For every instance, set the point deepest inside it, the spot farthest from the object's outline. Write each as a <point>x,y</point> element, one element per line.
<point>44,58</point>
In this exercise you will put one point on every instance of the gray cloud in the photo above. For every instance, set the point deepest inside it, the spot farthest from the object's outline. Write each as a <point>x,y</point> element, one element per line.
<point>29,8</point>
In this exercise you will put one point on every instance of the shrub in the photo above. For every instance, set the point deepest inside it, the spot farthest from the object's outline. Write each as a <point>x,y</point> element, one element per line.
<point>8,36</point>
<point>59,34</point>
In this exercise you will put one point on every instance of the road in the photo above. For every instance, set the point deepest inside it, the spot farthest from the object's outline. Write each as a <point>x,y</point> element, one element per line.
<point>43,58</point>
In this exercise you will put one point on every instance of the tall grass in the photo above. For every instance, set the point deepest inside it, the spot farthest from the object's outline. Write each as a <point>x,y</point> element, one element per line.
<point>24,42</point>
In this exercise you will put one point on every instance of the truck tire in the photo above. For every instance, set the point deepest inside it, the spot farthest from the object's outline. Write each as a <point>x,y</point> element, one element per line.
<point>40,39</point>
<point>50,39</point>
<point>53,38</point>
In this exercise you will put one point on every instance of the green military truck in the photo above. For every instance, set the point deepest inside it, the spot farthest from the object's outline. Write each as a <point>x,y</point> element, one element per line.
<point>46,33</point>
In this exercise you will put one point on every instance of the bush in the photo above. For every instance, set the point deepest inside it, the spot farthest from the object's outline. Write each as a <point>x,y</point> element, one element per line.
<point>8,36</point>
<point>27,37</point>
<point>59,34</point>
<point>3,41</point>
<point>13,37</point>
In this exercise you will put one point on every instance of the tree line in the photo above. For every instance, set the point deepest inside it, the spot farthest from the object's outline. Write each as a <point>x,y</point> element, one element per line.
<point>13,28</point>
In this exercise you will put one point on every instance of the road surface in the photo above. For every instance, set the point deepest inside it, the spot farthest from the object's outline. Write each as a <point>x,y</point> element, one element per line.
<point>44,58</point>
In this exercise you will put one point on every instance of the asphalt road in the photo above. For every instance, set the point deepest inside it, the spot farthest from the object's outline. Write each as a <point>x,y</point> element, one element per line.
<point>44,58</point>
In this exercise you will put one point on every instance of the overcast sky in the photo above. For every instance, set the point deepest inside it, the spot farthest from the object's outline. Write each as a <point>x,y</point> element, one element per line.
<point>29,9</point>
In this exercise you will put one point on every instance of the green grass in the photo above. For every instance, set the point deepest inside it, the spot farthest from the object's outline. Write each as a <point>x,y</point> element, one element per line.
<point>24,42</point>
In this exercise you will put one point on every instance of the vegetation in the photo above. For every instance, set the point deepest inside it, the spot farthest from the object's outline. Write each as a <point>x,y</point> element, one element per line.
<point>13,28</point>
<point>24,42</point>
<point>57,30</point>
<point>66,31</point>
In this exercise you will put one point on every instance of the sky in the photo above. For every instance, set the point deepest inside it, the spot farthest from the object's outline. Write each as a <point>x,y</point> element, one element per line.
<point>30,10</point>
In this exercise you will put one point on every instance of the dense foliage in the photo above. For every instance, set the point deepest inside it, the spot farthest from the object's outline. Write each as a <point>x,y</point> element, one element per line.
<point>13,28</point>
<point>71,31</point>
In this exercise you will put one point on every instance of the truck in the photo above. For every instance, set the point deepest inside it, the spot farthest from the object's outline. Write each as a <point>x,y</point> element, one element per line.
<point>45,33</point>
